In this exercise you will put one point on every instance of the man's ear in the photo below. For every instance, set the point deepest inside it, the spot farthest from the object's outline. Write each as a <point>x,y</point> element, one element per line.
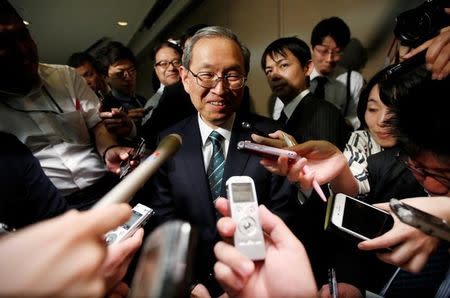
<point>308,68</point>
<point>184,75</point>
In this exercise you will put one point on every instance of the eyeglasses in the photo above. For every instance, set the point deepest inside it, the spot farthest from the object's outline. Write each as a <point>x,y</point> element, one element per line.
<point>422,172</point>
<point>165,64</point>
<point>130,72</point>
<point>324,51</point>
<point>210,80</point>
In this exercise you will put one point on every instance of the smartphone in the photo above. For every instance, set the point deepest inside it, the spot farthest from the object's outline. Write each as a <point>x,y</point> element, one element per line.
<point>139,217</point>
<point>421,220</point>
<point>359,219</point>
<point>135,154</point>
<point>165,264</point>
<point>266,151</point>
<point>248,237</point>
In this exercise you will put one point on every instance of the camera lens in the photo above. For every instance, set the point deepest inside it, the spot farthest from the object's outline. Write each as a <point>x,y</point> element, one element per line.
<point>412,26</point>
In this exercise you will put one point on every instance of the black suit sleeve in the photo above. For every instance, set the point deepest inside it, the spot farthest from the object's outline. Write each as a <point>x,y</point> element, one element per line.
<point>28,195</point>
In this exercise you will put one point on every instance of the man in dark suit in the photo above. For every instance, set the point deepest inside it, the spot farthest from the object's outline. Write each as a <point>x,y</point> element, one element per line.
<point>214,75</point>
<point>287,65</point>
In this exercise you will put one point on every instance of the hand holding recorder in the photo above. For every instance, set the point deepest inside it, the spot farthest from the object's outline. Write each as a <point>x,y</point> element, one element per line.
<point>285,256</point>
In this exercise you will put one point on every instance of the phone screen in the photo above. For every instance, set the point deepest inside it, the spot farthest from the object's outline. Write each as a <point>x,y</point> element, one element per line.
<point>365,220</point>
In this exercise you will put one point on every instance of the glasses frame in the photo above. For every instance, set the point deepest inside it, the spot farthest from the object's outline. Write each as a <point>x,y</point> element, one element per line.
<point>422,172</point>
<point>216,79</point>
<point>177,61</point>
<point>327,51</point>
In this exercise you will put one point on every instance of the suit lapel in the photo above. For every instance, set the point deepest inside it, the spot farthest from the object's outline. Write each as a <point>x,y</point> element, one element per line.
<point>193,159</point>
<point>236,160</point>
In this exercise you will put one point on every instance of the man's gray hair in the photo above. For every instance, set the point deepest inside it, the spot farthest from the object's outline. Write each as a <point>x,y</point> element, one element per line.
<point>211,32</point>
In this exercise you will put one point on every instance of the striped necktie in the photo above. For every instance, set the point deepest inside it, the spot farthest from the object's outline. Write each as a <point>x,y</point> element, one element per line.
<point>216,164</point>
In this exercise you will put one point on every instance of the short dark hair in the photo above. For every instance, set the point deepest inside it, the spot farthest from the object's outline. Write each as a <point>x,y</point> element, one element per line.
<point>111,53</point>
<point>334,27</point>
<point>295,45</point>
<point>420,112</point>
<point>79,58</point>
<point>166,44</point>
<point>378,78</point>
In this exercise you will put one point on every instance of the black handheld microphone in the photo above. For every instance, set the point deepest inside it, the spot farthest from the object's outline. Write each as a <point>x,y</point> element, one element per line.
<point>125,190</point>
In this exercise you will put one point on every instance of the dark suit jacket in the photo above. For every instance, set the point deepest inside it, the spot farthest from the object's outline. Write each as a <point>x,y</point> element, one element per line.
<point>174,105</point>
<point>317,119</point>
<point>181,189</point>
<point>28,196</point>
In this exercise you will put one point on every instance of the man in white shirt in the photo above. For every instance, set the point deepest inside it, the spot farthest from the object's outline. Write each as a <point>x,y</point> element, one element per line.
<point>54,112</point>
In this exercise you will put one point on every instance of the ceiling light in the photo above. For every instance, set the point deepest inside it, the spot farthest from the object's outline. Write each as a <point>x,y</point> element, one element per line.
<point>26,22</point>
<point>122,23</point>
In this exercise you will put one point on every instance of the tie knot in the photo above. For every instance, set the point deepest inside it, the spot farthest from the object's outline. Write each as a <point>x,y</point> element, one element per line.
<point>215,137</point>
<point>321,80</point>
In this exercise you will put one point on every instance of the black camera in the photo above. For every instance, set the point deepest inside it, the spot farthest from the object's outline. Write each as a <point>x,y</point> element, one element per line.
<point>415,26</point>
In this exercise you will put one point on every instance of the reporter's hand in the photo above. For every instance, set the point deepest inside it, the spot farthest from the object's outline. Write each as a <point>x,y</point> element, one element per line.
<point>438,54</point>
<point>344,290</point>
<point>60,257</point>
<point>115,156</point>
<point>119,257</point>
<point>285,272</point>
<point>410,247</point>
<point>277,139</point>
<point>325,162</point>
<point>117,122</point>
<point>136,114</point>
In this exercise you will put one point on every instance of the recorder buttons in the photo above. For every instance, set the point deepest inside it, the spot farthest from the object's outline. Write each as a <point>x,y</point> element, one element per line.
<point>247,225</point>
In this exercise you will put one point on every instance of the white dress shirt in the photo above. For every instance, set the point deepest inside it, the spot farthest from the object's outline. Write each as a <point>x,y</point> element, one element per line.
<point>205,131</point>
<point>55,120</point>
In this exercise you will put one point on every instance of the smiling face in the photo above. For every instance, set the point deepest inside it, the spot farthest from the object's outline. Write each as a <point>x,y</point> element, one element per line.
<point>18,56</point>
<point>167,74</point>
<point>285,75</point>
<point>220,56</point>
<point>376,115</point>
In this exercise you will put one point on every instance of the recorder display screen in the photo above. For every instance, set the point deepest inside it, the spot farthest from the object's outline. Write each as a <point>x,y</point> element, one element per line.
<point>134,217</point>
<point>242,192</point>
<point>365,220</point>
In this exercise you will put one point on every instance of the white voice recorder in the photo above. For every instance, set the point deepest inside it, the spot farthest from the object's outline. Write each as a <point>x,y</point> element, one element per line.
<point>139,217</point>
<point>248,237</point>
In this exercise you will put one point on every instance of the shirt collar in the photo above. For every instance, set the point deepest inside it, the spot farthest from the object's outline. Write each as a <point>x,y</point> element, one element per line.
<point>290,107</point>
<point>224,130</point>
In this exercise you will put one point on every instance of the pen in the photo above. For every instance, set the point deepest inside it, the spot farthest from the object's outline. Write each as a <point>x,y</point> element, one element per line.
<point>306,170</point>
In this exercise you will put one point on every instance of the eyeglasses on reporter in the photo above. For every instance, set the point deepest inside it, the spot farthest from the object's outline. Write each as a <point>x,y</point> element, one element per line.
<point>210,80</point>
<point>165,64</point>
<point>324,51</point>
<point>421,171</point>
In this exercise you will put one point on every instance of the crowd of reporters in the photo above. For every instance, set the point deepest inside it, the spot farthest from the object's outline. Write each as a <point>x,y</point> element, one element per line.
<point>72,136</point>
